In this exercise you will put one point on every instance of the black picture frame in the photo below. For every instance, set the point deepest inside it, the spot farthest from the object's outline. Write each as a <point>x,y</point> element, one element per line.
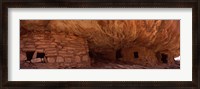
<point>194,4</point>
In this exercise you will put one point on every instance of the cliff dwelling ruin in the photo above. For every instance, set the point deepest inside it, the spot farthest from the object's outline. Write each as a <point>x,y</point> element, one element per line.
<point>94,44</point>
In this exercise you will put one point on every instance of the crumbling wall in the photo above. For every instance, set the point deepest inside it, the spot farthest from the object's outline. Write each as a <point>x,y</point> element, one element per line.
<point>68,50</point>
<point>145,56</point>
<point>170,57</point>
<point>151,38</point>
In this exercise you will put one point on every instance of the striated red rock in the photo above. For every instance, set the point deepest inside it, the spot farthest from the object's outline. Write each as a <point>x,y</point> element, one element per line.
<point>153,41</point>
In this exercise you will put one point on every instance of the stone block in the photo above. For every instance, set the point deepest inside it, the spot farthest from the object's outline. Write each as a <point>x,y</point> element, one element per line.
<point>62,52</point>
<point>71,37</point>
<point>28,49</point>
<point>50,49</point>
<point>81,52</point>
<point>22,57</point>
<point>46,46</point>
<point>60,59</point>
<point>42,46</point>
<point>70,51</point>
<point>47,41</point>
<point>59,47</point>
<point>36,60</point>
<point>38,35</point>
<point>69,48</point>
<point>74,42</point>
<point>53,43</point>
<point>58,38</point>
<point>67,65</point>
<point>29,43</point>
<point>62,44</point>
<point>51,59</point>
<point>51,52</point>
<point>40,50</point>
<point>77,59</point>
<point>85,58</point>
<point>68,60</point>
<point>51,55</point>
<point>29,46</point>
<point>27,39</point>
<point>38,38</point>
<point>67,55</point>
<point>40,43</point>
<point>68,39</point>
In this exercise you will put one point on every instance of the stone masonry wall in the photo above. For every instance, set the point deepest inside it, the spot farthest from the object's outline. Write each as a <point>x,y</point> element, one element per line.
<point>68,50</point>
<point>146,57</point>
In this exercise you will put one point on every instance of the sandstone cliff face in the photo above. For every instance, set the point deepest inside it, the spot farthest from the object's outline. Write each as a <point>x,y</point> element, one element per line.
<point>155,36</point>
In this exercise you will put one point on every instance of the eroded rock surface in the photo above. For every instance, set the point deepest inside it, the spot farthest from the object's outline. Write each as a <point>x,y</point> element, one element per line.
<point>143,42</point>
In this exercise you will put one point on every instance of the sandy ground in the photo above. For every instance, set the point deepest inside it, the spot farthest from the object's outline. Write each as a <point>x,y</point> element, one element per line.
<point>98,64</point>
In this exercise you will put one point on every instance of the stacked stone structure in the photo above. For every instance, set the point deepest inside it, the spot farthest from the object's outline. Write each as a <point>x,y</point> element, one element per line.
<point>69,50</point>
<point>143,42</point>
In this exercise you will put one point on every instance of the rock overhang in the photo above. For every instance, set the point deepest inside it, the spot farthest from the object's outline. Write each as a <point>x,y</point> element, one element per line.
<point>157,35</point>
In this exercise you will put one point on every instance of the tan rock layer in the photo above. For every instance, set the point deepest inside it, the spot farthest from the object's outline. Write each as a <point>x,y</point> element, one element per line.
<point>158,35</point>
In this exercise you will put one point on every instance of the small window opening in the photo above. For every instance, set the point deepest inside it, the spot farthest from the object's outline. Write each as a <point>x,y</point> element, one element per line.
<point>136,55</point>
<point>91,54</point>
<point>42,56</point>
<point>29,55</point>
<point>118,54</point>
<point>164,58</point>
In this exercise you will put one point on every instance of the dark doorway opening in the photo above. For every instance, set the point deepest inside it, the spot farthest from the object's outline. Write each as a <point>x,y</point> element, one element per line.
<point>136,55</point>
<point>95,55</point>
<point>91,54</point>
<point>42,56</point>
<point>164,58</point>
<point>118,54</point>
<point>29,55</point>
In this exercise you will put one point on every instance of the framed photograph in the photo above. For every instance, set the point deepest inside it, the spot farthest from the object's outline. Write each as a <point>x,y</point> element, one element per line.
<point>95,44</point>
